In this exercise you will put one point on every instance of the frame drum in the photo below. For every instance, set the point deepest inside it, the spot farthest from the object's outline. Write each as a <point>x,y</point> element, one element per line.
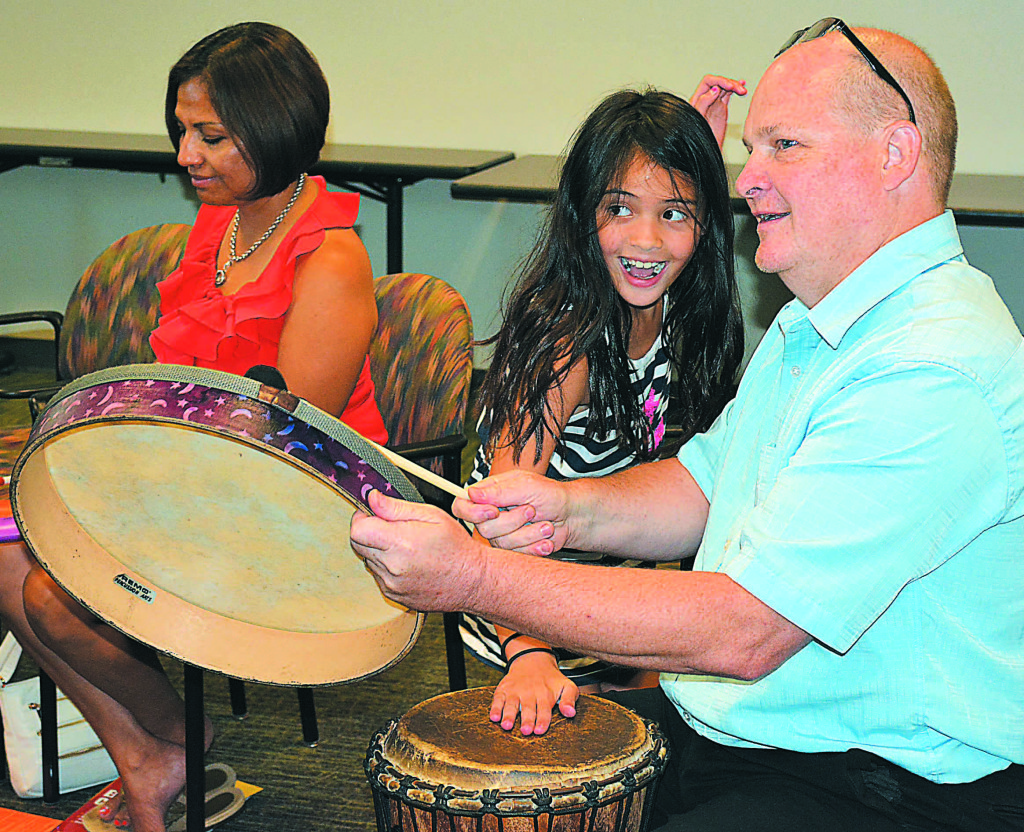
<point>445,767</point>
<point>207,515</point>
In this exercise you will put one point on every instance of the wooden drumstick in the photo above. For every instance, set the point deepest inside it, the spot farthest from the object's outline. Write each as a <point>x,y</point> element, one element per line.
<point>420,472</point>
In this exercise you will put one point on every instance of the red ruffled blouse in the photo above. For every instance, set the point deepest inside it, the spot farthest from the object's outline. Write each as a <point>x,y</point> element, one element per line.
<point>202,327</point>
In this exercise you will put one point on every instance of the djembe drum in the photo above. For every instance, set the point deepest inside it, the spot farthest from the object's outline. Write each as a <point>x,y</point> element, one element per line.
<point>444,767</point>
<point>208,515</point>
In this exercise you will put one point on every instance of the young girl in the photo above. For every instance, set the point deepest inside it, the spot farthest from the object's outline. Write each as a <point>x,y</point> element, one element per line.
<point>628,300</point>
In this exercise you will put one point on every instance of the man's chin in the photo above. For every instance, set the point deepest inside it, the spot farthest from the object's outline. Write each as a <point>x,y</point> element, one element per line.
<point>767,261</point>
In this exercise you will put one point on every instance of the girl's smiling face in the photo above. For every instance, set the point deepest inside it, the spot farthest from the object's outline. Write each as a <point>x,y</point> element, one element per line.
<point>647,228</point>
<point>220,174</point>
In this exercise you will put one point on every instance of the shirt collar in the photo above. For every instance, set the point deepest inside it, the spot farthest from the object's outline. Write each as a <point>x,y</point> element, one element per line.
<point>892,266</point>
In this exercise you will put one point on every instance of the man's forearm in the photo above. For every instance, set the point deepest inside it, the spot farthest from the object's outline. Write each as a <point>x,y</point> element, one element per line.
<point>660,619</point>
<point>652,512</point>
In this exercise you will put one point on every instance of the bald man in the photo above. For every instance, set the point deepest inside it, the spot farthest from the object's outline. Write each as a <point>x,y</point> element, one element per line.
<point>847,653</point>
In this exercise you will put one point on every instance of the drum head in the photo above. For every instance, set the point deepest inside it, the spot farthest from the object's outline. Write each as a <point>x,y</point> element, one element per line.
<point>217,533</point>
<point>445,762</point>
<point>449,739</point>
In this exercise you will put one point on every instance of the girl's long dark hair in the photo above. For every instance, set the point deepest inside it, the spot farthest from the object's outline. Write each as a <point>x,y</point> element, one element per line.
<point>564,306</point>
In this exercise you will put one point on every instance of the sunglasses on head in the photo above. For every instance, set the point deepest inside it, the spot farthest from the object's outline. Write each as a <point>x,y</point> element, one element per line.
<point>834,24</point>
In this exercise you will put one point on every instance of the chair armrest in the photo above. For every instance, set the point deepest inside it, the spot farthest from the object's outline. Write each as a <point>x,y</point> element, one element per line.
<point>38,401</point>
<point>674,433</point>
<point>43,394</point>
<point>449,450</point>
<point>430,448</point>
<point>55,320</point>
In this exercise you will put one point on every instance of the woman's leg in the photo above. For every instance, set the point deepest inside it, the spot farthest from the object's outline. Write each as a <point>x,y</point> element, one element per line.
<point>124,669</point>
<point>152,769</point>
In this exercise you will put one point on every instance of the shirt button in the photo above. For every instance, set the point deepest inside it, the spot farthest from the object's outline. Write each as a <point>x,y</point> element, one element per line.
<point>794,371</point>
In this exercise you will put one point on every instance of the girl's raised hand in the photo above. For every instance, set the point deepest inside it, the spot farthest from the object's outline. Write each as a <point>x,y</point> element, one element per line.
<point>532,688</point>
<point>711,100</point>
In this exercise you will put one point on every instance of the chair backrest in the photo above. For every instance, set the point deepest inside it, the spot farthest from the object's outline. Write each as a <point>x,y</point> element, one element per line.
<point>115,305</point>
<point>421,359</point>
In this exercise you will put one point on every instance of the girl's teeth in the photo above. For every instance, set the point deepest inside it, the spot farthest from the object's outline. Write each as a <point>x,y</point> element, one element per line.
<point>641,269</point>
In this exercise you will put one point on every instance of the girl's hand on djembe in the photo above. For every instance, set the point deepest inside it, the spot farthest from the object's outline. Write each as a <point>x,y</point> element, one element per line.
<point>532,687</point>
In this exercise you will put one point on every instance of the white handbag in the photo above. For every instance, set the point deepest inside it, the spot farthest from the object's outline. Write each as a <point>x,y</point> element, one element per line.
<point>83,761</point>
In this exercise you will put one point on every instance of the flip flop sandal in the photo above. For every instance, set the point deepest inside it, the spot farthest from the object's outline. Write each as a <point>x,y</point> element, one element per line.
<point>218,807</point>
<point>92,822</point>
<point>217,776</point>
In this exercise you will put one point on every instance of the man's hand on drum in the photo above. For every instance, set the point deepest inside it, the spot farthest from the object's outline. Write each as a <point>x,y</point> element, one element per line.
<point>532,687</point>
<point>419,556</point>
<point>518,510</point>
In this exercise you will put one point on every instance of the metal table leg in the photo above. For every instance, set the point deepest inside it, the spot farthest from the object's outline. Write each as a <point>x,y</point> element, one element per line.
<point>195,775</point>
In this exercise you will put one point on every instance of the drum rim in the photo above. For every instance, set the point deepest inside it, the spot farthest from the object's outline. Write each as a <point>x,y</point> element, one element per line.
<point>237,385</point>
<point>231,383</point>
<point>390,782</point>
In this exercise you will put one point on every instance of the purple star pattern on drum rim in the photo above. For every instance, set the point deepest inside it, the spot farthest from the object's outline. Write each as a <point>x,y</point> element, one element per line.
<point>218,411</point>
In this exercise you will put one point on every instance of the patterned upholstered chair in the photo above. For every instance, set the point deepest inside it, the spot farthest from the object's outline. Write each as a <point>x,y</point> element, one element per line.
<point>116,304</point>
<point>113,308</point>
<point>421,362</point>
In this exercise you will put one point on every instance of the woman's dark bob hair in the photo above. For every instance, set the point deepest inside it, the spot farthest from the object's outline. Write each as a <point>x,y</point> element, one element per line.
<point>270,94</point>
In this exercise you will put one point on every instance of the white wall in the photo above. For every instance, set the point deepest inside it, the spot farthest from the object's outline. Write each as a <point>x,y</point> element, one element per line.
<point>484,74</point>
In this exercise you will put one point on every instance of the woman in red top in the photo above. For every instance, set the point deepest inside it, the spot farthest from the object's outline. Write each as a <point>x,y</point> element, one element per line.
<point>273,274</point>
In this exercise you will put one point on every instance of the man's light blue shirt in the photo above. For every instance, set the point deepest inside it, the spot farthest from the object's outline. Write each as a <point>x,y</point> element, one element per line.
<point>866,483</point>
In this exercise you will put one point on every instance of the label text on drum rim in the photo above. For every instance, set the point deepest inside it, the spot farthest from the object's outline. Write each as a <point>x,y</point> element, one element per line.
<point>141,592</point>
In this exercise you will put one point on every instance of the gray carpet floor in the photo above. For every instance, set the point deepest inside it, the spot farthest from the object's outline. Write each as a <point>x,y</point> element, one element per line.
<point>304,789</point>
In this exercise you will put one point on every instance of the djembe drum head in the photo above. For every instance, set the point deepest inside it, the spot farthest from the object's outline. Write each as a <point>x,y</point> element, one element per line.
<point>445,767</point>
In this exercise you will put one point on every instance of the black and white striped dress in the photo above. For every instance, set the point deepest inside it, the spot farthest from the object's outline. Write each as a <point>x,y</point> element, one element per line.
<point>576,456</point>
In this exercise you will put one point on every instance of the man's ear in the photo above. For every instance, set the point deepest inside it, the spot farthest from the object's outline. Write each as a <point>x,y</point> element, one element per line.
<point>903,152</point>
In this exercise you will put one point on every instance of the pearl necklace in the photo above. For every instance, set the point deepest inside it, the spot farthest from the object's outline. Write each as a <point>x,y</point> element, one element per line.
<point>220,278</point>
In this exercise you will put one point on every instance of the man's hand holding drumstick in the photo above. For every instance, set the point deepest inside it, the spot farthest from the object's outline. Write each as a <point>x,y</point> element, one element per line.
<point>420,556</point>
<point>424,559</point>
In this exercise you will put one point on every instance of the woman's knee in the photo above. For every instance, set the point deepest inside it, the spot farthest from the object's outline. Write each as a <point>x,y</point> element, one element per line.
<point>15,564</point>
<point>50,611</point>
